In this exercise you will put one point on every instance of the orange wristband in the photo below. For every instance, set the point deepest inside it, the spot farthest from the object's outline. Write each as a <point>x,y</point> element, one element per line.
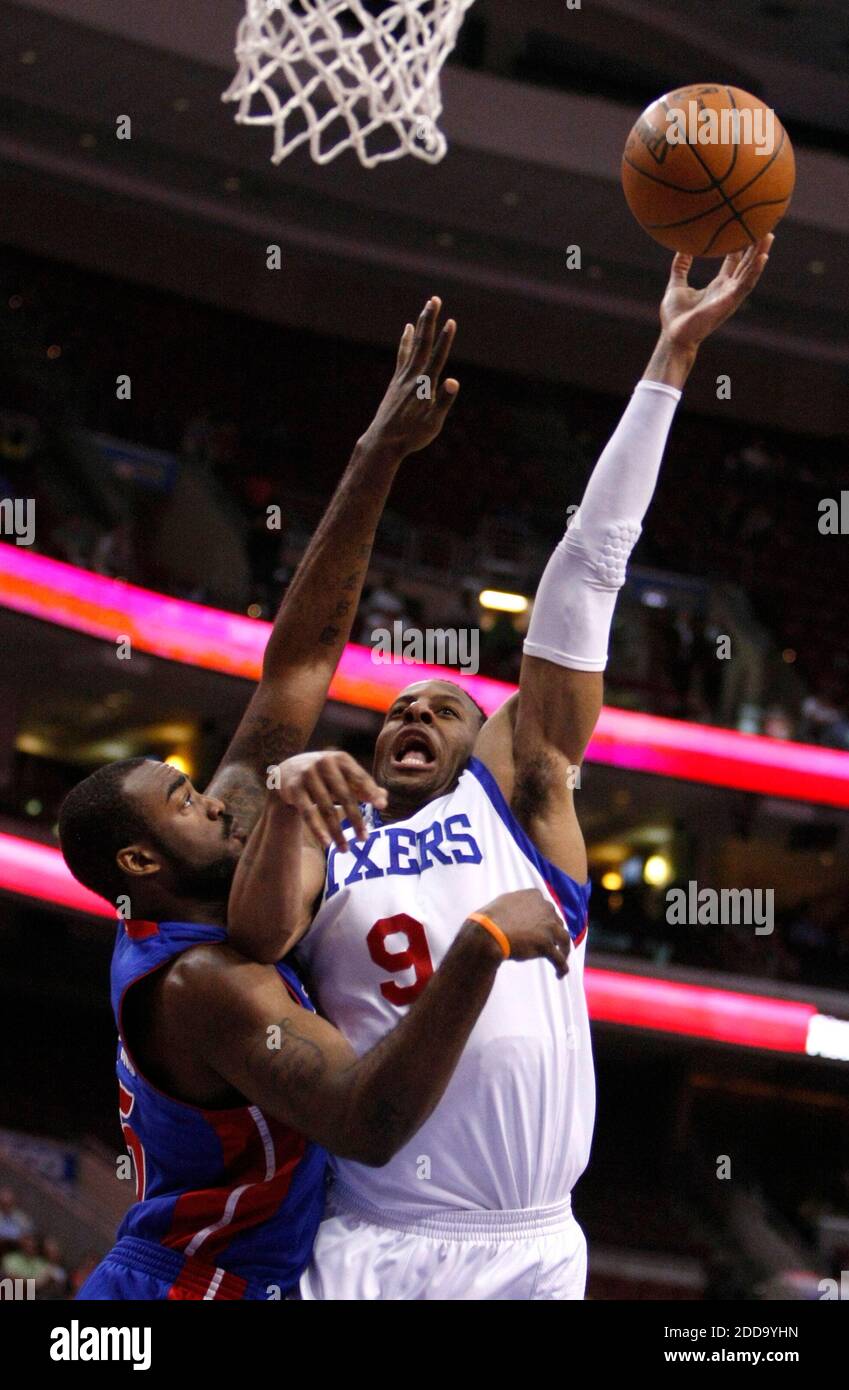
<point>490,926</point>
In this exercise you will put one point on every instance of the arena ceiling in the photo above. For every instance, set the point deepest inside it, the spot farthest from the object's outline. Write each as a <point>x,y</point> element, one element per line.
<point>800,32</point>
<point>536,118</point>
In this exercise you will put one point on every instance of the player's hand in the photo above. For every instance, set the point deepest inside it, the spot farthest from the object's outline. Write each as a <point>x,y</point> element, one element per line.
<point>325,788</point>
<point>533,927</point>
<point>688,316</point>
<point>416,403</point>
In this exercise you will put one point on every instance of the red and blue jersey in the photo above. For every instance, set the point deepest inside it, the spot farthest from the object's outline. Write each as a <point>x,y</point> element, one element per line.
<point>231,1194</point>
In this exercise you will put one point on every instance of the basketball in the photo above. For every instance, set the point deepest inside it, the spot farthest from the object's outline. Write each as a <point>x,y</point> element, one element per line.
<point>708,170</point>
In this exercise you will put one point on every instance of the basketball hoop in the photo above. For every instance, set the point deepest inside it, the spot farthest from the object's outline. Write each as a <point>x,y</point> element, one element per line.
<point>329,73</point>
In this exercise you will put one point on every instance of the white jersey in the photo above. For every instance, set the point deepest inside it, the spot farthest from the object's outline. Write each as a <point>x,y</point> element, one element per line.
<point>513,1129</point>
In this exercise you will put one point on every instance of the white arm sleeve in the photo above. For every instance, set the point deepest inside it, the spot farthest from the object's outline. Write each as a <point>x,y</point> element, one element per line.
<point>573,610</point>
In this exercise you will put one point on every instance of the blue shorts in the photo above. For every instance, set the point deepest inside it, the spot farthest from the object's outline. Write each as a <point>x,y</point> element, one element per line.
<point>141,1270</point>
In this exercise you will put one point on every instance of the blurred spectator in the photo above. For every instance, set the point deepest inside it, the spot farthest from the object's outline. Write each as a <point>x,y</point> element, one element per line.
<point>823,722</point>
<point>213,438</point>
<point>777,723</point>
<point>754,459</point>
<point>55,1283</point>
<point>114,554</point>
<point>14,1223</point>
<point>74,540</point>
<point>26,1262</point>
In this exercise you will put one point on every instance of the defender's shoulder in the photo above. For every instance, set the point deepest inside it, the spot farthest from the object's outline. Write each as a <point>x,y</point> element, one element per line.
<point>207,975</point>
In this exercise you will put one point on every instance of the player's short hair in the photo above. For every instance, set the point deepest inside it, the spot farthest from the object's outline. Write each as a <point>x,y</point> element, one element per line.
<point>481,711</point>
<point>96,820</point>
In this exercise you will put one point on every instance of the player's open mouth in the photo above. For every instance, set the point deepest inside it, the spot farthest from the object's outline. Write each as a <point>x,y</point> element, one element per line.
<point>413,750</point>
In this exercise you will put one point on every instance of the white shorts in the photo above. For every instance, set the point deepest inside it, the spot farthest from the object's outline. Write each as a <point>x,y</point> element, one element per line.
<point>363,1254</point>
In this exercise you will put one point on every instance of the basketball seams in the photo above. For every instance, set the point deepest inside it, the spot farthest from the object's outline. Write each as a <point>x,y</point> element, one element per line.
<point>675,187</point>
<point>735,215</point>
<point>759,175</point>
<point>766,202</point>
<point>687,221</point>
<point>717,183</point>
<point>714,178</point>
<point>729,198</point>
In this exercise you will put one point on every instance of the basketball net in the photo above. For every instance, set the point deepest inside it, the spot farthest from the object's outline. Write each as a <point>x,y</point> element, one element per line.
<point>329,73</point>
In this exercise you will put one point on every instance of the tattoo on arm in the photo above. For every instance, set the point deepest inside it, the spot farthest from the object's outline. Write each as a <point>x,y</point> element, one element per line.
<point>265,741</point>
<point>298,1062</point>
<point>244,799</point>
<point>330,633</point>
<point>241,781</point>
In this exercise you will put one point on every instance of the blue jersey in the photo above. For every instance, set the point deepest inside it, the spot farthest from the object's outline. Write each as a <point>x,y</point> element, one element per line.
<point>228,1195</point>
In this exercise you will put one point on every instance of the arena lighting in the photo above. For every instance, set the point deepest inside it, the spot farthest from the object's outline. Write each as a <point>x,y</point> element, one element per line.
<point>657,870</point>
<point>501,602</point>
<point>720,1015</point>
<point>180,762</point>
<point>177,630</point>
<point>612,881</point>
<point>38,871</point>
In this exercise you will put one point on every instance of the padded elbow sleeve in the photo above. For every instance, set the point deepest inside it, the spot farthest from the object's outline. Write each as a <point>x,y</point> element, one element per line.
<point>573,611</point>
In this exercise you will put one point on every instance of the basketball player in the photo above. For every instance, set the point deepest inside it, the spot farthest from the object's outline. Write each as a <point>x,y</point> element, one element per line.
<point>478,1205</point>
<point>230,1088</point>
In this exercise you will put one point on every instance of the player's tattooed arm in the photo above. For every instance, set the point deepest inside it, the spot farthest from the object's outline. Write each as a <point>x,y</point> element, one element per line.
<point>317,613</point>
<point>300,1069</point>
<point>242,782</point>
<point>275,883</point>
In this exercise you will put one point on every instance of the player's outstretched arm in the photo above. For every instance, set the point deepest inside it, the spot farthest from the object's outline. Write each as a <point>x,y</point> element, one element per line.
<point>316,616</point>
<point>281,870</point>
<point>536,743</point>
<point>300,1069</point>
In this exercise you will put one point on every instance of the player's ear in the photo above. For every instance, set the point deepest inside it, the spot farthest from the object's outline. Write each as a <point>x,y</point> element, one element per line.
<point>138,860</point>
